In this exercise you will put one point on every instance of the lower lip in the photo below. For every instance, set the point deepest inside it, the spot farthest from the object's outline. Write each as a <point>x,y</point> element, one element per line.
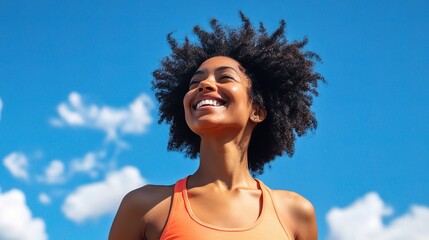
<point>207,107</point>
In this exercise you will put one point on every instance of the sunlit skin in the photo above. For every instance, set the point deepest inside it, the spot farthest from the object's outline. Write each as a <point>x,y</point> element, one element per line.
<point>222,180</point>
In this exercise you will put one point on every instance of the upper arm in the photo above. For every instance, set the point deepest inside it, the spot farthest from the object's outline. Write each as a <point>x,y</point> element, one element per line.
<point>128,224</point>
<point>298,213</point>
<point>142,213</point>
<point>306,219</point>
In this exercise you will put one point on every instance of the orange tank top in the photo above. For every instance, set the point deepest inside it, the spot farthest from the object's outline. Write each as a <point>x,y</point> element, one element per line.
<point>182,224</point>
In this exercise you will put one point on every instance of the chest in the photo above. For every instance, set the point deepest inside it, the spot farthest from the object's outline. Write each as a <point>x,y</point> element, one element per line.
<point>227,210</point>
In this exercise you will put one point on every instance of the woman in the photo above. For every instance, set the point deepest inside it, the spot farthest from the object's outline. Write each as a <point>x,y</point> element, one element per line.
<point>246,95</point>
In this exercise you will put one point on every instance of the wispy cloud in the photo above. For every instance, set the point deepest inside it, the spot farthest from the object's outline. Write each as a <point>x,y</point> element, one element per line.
<point>54,173</point>
<point>101,198</point>
<point>89,164</point>
<point>114,121</point>
<point>17,164</point>
<point>363,220</point>
<point>44,198</point>
<point>16,221</point>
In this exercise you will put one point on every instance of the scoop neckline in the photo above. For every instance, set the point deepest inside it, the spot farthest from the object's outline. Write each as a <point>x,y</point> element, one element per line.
<point>246,228</point>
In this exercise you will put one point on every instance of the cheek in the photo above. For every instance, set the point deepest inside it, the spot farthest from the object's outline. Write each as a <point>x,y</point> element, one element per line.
<point>236,93</point>
<point>186,105</point>
<point>241,95</point>
<point>187,101</point>
<point>235,88</point>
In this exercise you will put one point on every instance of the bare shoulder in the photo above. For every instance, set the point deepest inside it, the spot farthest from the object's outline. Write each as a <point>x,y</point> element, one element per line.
<point>294,202</point>
<point>297,212</point>
<point>141,200</point>
<point>147,196</point>
<point>136,209</point>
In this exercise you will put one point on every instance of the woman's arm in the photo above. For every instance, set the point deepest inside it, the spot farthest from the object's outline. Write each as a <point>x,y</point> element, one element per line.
<point>306,219</point>
<point>128,224</point>
<point>142,214</point>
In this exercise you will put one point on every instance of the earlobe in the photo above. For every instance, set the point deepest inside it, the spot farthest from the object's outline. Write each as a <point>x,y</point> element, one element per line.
<point>255,118</point>
<point>258,115</point>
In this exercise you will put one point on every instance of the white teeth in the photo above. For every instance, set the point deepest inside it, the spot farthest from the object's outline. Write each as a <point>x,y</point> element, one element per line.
<point>207,102</point>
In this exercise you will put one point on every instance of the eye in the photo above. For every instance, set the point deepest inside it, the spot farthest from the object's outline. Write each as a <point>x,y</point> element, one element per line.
<point>193,83</point>
<point>226,77</point>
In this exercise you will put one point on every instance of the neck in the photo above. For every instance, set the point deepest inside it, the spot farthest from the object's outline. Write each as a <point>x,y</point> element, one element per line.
<point>224,162</point>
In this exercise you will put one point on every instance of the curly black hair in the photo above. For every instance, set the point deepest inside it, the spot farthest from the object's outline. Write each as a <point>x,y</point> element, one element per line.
<point>282,81</point>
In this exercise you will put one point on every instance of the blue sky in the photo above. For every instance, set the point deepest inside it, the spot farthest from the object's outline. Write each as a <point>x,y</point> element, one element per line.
<point>78,118</point>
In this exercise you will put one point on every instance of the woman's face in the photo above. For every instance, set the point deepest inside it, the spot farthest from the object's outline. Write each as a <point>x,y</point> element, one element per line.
<point>218,97</point>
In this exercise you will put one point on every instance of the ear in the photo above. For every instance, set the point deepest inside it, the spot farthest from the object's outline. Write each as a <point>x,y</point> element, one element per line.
<point>258,114</point>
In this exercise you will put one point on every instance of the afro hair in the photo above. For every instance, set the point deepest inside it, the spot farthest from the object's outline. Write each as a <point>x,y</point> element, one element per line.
<point>282,81</point>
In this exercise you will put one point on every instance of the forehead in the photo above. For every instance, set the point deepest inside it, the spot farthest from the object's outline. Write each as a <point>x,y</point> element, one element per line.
<point>220,61</point>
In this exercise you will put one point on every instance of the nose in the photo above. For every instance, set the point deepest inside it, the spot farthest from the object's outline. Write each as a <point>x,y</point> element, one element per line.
<point>207,85</point>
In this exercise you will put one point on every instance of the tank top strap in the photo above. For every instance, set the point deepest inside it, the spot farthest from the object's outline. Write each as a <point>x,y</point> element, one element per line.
<point>175,207</point>
<point>273,204</point>
<point>180,185</point>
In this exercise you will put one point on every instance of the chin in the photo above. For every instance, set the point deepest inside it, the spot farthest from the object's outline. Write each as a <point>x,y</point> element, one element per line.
<point>210,127</point>
<point>203,125</point>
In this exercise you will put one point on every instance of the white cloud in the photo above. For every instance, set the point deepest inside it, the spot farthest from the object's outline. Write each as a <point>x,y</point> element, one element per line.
<point>17,164</point>
<point>44,198</point>
<point>101,198</point>
<point>54,173</point>
<point>89,164</point>
<point>363,220</point>
<point>16,221</point>
<point>1,107</point>
<point>133,119</point>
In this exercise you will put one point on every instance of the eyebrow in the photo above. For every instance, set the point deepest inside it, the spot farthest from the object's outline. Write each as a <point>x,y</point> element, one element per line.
<point>221,68</point>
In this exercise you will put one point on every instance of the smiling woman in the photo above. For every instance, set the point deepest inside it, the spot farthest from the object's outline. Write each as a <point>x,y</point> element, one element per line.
<point>218,98</point>
<point>246,96</point>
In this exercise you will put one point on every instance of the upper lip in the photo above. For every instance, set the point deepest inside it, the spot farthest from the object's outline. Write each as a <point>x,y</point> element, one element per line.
<point>207,97</point>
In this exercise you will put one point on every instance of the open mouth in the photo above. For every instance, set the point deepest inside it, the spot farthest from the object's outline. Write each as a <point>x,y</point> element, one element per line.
<point>208,102</point>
